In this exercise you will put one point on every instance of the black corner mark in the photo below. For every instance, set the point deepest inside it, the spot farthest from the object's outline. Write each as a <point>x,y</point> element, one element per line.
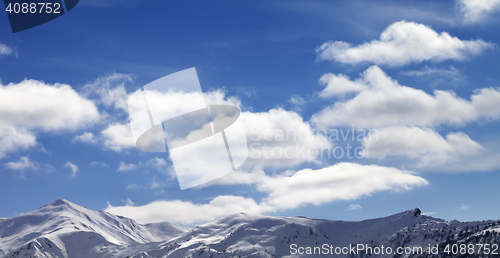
<point>26,14</point>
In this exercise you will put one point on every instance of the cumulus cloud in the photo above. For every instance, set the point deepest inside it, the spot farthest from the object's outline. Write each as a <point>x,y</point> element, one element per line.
<point>486,101</point>
<point>118,137</point>
<point>477,10</point>
<point>281,138</point>
<point>73,168</point>
<point>13,139</point>
<point>426,145</point>
<point>35,104</point>
<point>276,138</point>
<point>344,181</point>
<point>403,43</point>
<point>339,84</point>
<point>87,137</point>
<point>385,102</point>
<point>23,164</point>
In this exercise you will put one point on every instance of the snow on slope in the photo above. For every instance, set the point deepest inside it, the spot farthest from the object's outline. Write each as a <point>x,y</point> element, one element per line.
<point>70,230</point>
<point>244,235</point>
<point>63,229</point>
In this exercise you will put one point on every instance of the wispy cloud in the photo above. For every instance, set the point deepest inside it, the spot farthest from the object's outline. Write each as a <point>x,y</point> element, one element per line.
<point>353,207</point>
<point>297,102</point>
<point>73,168</point>
<point>22,164</point>
<point>109,90</point>
<point>98,164</point>
<point>126,167</point>
<point>6,51</point>
<point>439,76</point>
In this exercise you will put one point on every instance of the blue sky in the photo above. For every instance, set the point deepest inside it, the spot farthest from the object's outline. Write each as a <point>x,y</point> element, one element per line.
<point>423,75</point>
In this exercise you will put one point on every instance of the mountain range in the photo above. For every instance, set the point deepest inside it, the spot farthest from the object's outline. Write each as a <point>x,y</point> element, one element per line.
<point>65,229</point>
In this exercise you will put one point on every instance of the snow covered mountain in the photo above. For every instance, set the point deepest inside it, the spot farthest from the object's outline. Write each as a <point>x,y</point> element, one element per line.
<point>64,229</point>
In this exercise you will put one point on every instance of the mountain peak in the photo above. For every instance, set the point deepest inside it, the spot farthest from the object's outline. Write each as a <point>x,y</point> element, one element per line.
<point>62,204</point>
<point>415,212</point>
<point>59,202</point>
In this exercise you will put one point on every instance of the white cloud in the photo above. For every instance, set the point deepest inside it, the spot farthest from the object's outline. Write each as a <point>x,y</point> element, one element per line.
<point>426,145</point>
<point>156,185</point>
<point>99,164</point>
<point>87,137</point>
<point>133,187</point>
<point>426,71</point>
<point>464,207</point>
<point>280,138</point>
<point>157,163</point>
<point>118,137</point>
<point>13,139</point>
<point>6,51</point>
<point>35,104</point>
<point>72,167</point>
<point>339,85</point>
<point>403,43</point>
<point>344,181</point>
<point>353,207</point>
<point>451,76</point>
<point>129,202</point>
<point>109,90</point>
<point>486,102</point>
<point>31,105</point>
<point>277,138</point>
<point>161,166</point>
<point>477,10</point>
<point>298,102</point>
<point>186,212</point>
<point>387,103</point>
<point>22,164</point>
<point>126,167</point>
